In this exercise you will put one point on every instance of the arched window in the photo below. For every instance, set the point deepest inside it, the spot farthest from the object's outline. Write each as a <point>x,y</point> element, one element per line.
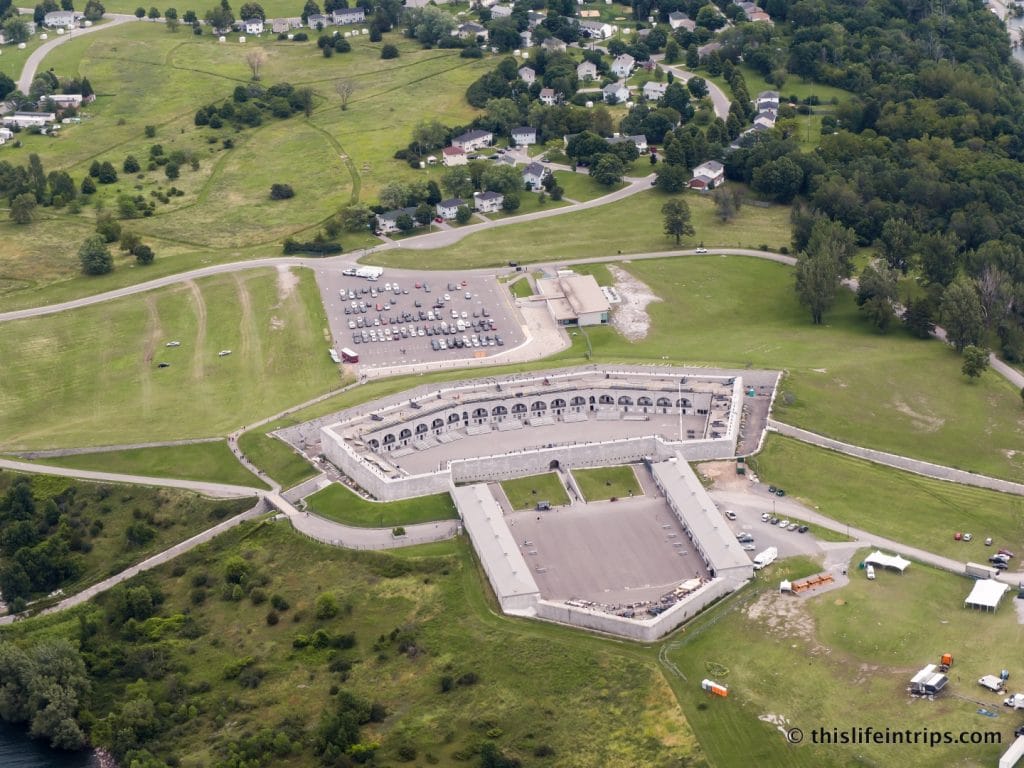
<point>606,400</point>
<point>664,402</point>
<point>644,401</point>
<point>421,428</point>
<point>539,406</point>
<point>579,400</point>
<point>499,410</point>
<point>625,400</point>
<point>437,424</point>
<point>518,408</point>
<point>389,439</point>
<point>405,434</point>
<point>453,418</point>
<point>374,444</point>
<point>558,403</point>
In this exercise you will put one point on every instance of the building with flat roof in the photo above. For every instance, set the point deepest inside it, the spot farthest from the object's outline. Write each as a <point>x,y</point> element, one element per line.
<point>575,300</point>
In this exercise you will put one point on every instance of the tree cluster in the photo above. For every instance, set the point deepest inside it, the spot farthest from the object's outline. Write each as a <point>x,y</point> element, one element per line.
<point>251,104</point>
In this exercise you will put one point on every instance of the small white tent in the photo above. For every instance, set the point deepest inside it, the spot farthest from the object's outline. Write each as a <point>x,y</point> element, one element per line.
<point>887,561</point>
<point>986,594</point>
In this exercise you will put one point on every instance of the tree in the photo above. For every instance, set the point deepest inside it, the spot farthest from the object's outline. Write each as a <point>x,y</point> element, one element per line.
<point>252,11</point>
<point>498,177</point>
<point>961,314</point>
<point>975,361</point>
<point>153,13</point>
<point>189,17</point>
<point>220,18</point>
<point>917,317</point>
<point>510,202</point>
<point>15,31</point>
<point>22,208</point>
<point>424,214</point>
<point>671,178</point>
<point>607,170</point>
<point>457,182</point>
<point>728,201</point>
<point>429,25</point>
<point>281,192</point>
<point>129,241</point>
<point>463,214</point>
<point>172,171</point>
<point>672,51</point>
<point>896,243</point>
<point>677,219</point>
<point>839,241</point>
<point>356,217</point>
<point>698,87</point>
<point>428,135</point>
<point>171,19</point>
<point>389,52</point>
<point>95,256</point>
<point>131,165</point>
<point>88,186</point>
<point>143,254</point>
<point>345,89</point>
<point>256,58</point>
<point>107,173</point>
<point>108,228</point>
<point>817,280</point>
<point>309,9</point>
<point>140,12</point>
<point>780,179</point>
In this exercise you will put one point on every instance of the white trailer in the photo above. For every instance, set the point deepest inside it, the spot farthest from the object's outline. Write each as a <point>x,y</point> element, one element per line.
<point>978,571</point>
<point>370,273</point>
<point>991,682</point>
<point>767,557</point>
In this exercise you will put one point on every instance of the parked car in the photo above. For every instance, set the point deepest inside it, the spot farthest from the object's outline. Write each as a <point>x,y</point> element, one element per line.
<point>793,526</point>
<point>1006,552</point>
<point>779,492</point>
<point>957,536</point>
<point>784,524</point>
<point>702,250</point>
<point>1000,566</point>
<point>730,514</point>
<point>765,517</point>
<point>968,537</point>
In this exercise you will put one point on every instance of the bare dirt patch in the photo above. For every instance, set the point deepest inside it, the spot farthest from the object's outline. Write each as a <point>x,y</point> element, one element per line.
<point>783,616</point>
<point>287,282</point>
<point>723,477</point>
<point>630,318</point>
<point>922,422</point>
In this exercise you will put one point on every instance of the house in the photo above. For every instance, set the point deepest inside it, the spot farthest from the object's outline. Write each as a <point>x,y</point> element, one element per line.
<point>707,176</point>
<point>344,16</point>
<point>597,30</point>
<point>753,13</point>
<point>533,175</point>
<point>453,156</point>
<point>548,96</point>
<point>488,202</point>
<point>470,31</point>
<point>623,65</point>
<point>447,209</point>
<point>616,93</point>
<point>423,3</point>
<point>62,19</point>
<point>6,134</point>
<point>574,299</point>
<point>281,26</point>
<point>767,100</point>
<point>553,45</point>
<point>639,140</point>
<point>586,71</point>
<point>388,222</point>
<point>524,136</point>
<point>533,19</point>
<point>471,140</point>
<point>501,11</point>
<point>253,26</point>
<point>318,21</point>
<point>764,121</point>
<point>654,91</point>
<point>64,100</point>
<point>527,75</point>
<point>708,48</point>
<point>486,3</point>
<point>677,19</point>
<point>29,119</point>
<point>525,39</point>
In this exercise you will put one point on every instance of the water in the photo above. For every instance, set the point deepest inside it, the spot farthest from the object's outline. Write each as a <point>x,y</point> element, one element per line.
<point>17,750</point>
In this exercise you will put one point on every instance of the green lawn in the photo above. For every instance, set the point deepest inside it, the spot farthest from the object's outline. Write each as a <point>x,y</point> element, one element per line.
<point>278,460</point>
<point>210,462</point>
<point>793,86</point>
<point>529,202</point>
<point>899,505</point>
<point>632,225</point>
<point>521,289</point>
<point>90,376</point>
<point>607,482</point>
<point>525,492</point>
<point>580,187</point>
<point>336,502</point>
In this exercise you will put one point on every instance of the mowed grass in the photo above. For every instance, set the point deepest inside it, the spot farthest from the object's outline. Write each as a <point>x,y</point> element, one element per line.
<point>90,376</point>
<point>607,482</point>
<point>526,492</point>
<point>336,502</point>
<point>521,289</point>
<point>898,505</point>
<point>278,460</point>
<point>208,462</point>
<point>580,187</point>
<point>633,225</point>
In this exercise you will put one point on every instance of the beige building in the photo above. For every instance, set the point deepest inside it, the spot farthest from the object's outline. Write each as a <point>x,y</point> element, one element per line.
<point>574,299</point>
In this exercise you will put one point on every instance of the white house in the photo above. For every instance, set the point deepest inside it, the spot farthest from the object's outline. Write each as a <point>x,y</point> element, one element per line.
<point>63,19</point>
<point>447,209</point>
<point>654,91</point>
<point>677,20</point>
<point>471,140</point>
<point>281,26</point>
<point>527,75</point>
<point>388,222</point>
<point>534,174</point>
<point>488,202</point>
<point>638,140</point>
<point>318,21</point>
<point>767,100</point>
<point>708,175</point>
<point>533,19</point>
<point>29,119</point>
<point>470,31</point>
<point>344,16</point>
<point>553,45</point>
<point>548,96</point>
<point>623,65</point>
<point>586,71</point>
<point>524,136</point>
<point>253,26</point>
<point>764,121</point>
<point>616,93</point>
<point>64,100</point>
<point>598,30</point>
<point>501,11</point>
<point>453,156</point>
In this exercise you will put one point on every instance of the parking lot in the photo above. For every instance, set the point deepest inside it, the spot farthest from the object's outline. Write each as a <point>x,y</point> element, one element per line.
<point>407,317</point>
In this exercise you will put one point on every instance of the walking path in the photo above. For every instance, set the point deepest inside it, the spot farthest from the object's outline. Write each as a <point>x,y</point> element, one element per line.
<point>49,454</point>
<point>904,463</point>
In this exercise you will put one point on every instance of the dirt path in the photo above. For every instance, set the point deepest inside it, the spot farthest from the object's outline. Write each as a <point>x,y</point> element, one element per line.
<point>246,321</point>
<point>199,346</point>
<point>630,318</point>
<point>154,333</point>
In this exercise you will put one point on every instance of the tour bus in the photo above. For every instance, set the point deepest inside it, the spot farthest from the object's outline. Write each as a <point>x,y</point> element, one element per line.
<point>348,356</point>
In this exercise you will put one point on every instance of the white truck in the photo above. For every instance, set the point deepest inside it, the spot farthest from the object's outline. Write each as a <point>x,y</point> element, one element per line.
<point>1016,701</point>
<point>767,557</point>
<point>992,682</point>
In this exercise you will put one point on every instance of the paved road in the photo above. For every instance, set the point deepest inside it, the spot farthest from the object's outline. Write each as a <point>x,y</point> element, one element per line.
<point>217,490</point>
<point>720,101</point>
<point>28,71</point>
<point>916,466</point>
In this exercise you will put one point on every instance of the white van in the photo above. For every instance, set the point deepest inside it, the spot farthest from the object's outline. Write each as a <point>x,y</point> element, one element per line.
<point>870,571</point>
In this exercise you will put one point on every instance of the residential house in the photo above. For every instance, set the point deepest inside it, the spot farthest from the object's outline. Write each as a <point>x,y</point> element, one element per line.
<point>553,45</point>
<point>533,175</point>
<point>548,96</point>
<point>424,3</point>
<point>453,156</point>
<point>471,140</point>
<point>470,31</point>
<point>253,26</point>
<point>29,119</point>
<point>447,209</point>
<point>677,19</point>
<point>524,136</point>
<point>616,93</point>
<point>525,39</point>
<point>64,100</point>
<point>708,176</point>
<point>586,71</point>
<point>764,121</point>
<point>708,48</point>
<point>318,21</point>
<point>767,100</point>
<point>62,19</point>
<point>486,3</point>
<point>387,223</point>
<point>488,202</point>
<point>527,75</point>
<point>623,65</point>
<point>501,11</point>
<point>282,26</point>
<point>654,91</point>
<point>345,16</point>
<point>639,140</point>
<point>533,19</point>
<point>754,13</point>
<point>597,30</point>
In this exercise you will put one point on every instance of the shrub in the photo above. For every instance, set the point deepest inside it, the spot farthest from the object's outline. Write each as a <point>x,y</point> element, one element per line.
<point>389,52</point>
<point>326,606</point>
<point>300,37</point>
<point>320,248</point>
<point>341,45</point>
<point>131,165</point>
<point>150,131</point>
<point>281,192</point>
<point>278,602</point>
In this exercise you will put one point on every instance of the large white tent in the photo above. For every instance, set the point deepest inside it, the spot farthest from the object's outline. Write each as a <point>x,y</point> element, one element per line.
<point>986,594</point>
<point>887,561</point>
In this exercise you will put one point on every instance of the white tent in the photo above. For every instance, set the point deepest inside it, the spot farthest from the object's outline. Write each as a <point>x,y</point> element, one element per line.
<point>986,594</point>
<point>887,561</point>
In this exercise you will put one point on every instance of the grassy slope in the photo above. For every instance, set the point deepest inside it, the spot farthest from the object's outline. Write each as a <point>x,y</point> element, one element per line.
<point>897,505</point>
<point>606,482</point>
<point>275,458</point>
<point>336,502</point>
<point>89,376</point>
<point>525,492</point>
<point>212,462</point>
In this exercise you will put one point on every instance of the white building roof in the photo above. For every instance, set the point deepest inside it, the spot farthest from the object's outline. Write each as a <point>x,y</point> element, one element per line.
<point>986,594</point>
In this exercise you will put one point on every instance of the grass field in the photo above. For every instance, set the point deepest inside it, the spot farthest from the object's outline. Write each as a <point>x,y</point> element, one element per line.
<point>275,458</point>
<point>521,289</point>
<point>633,225</point>
<point>607,482</point>
<point>525,492</point>
<point>898,505</point>
<point>211,462</point>
<point>89,376</point>
<point>580,187</point>
<point>336,502</point>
